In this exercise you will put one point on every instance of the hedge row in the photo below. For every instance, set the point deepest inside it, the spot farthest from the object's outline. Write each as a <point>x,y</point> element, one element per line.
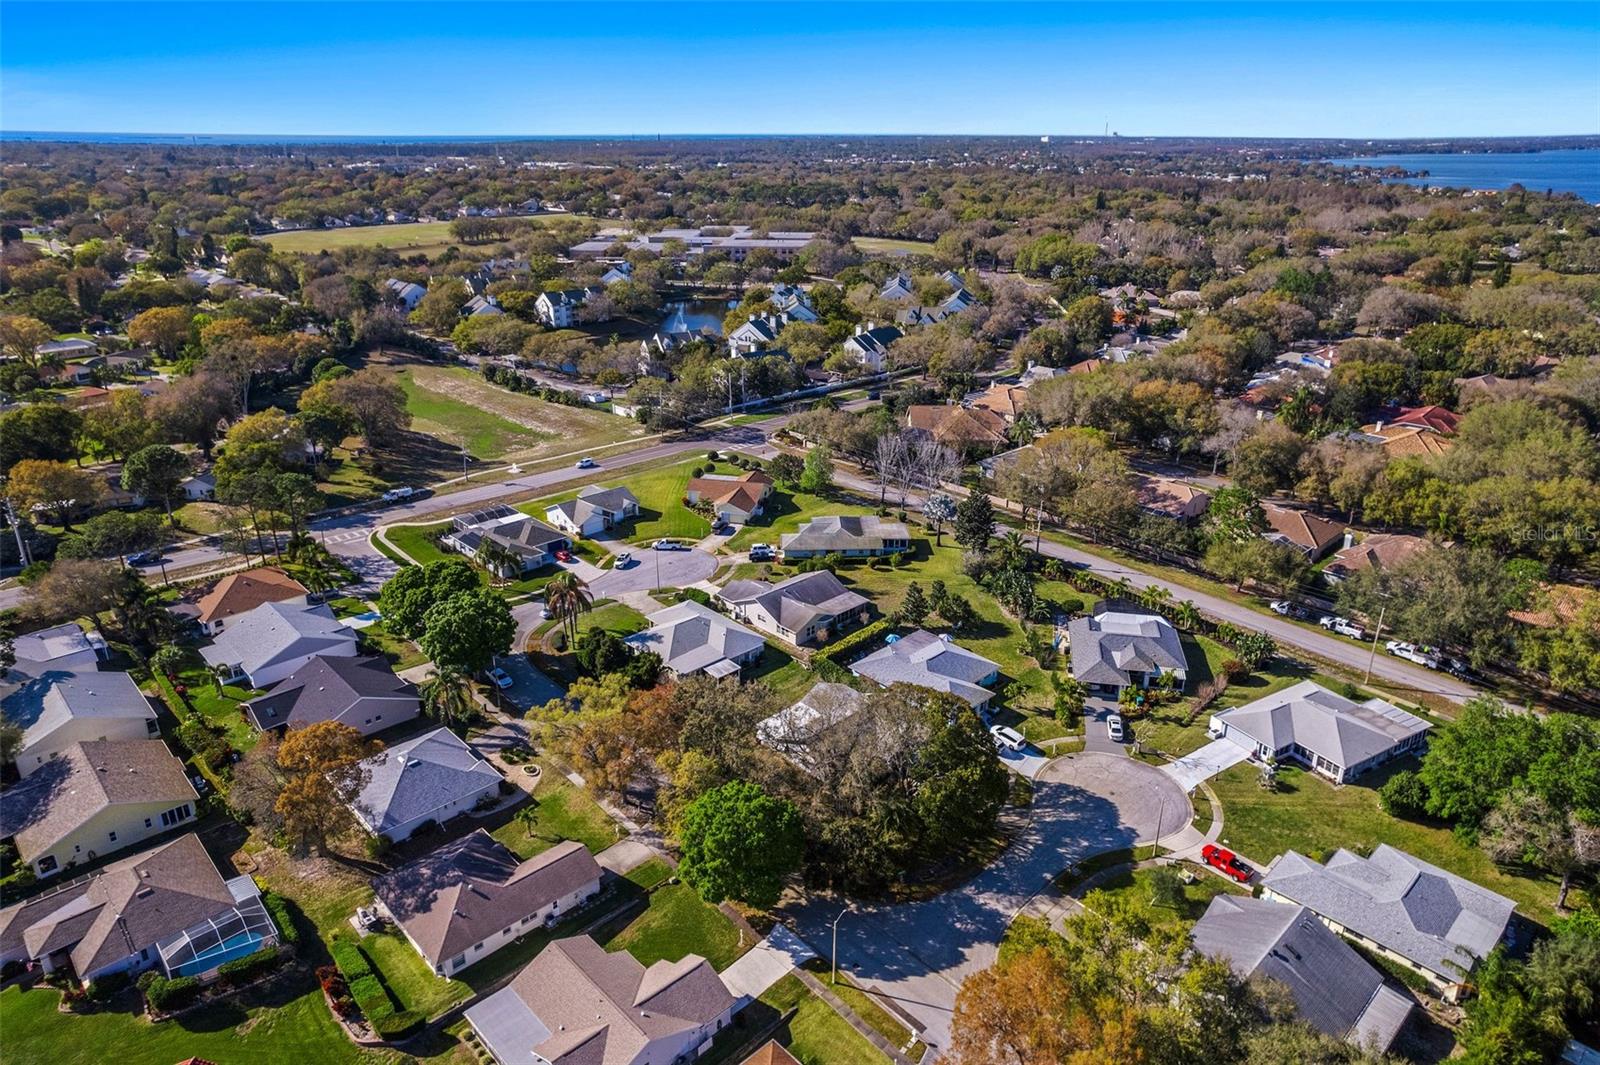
<point>282,916</point>
<point>167,995</point>
<point>840,648</point>
<point>241,971</point>
<point>388,1022</point>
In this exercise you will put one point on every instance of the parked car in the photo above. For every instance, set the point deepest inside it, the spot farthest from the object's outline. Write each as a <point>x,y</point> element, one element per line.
<point>1422,656</point>
<point>395,495</point>
<point>1114,727</point>
<point>144,558</point>
<point>1227,862</point>
<point>624,559</point>
<point>762,553</point>
<point>499,678</point>
<point>586,463</point>
<point>1008,739</point>
<point>1287,609</point>
<point>545,613</point>
<point>202,786</point>
<point>1457,667</point>
<point>668,545</point>
<point>563,555</point>
<point>1343,626</point>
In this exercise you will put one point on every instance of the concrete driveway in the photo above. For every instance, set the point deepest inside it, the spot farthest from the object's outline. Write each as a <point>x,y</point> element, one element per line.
<point>1190,770</point>
<point>1096,736</point>
<point>1028,762</point>
<point>655,569</point>
<point>529,687</point>
<point>918,953</point>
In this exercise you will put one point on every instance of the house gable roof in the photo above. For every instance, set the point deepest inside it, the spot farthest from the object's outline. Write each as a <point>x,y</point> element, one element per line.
<point>953,424</point>
<point>1108,648</point>
<point>276,632</point>
<point>798,601</point>
<point>690,636</point>
<point>929,661</point>
<point>1302,529</point>
<point>836,532</point>
<point>325,689</point>
<point>1339,729</point>
<point>1380,550</point>
<point>238,593</point>
<point>415,779</point>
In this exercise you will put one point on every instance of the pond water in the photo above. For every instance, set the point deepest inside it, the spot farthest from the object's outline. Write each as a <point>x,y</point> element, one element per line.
<point>686,316</point>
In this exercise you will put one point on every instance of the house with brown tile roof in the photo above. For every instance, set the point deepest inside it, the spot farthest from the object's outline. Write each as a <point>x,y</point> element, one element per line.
<point>1406,441</point>
<point>1008,401</point>
<point>1433,417</point>
<point>1169,498</point>
<point>1375,551</point>
<point>240,593</point>
<point>963,428</point>
<point>577,1004</point>
<point>1305,532</point>
<point>734,499</point>
<point>93,799</point>
<point>461,903</point>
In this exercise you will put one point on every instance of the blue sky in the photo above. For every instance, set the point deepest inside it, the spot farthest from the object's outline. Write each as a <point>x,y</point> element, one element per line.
<point>397,68</point>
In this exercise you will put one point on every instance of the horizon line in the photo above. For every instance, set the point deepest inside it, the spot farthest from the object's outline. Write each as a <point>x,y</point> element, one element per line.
<point>706,135</point>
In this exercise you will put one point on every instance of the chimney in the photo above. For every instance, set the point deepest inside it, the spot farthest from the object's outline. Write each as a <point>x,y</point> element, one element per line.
<point>1349,538</point>
<point>1378,428</point>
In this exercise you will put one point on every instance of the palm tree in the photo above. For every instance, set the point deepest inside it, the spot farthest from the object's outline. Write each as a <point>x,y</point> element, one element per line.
<point>1155,595</point>
<point>497,560</point>
<point>528,816</point>
<point>1186,614</point>
<point>317,572</point>
<point>567,596</point>
<point>447,697</point>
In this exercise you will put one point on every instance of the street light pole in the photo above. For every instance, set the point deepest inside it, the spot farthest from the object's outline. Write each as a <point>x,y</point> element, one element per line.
<point>833,977</point>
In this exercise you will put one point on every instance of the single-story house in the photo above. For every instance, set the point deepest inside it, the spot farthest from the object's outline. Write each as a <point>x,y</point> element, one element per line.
<point>578,1004</point>
<point>1335,990</point>
<point>806,608</point>
<point>71,348</point>
<point>57,709</point>
<point>771,1054</point>
<point>1374,551</point>
<point>95,798</point>
<point>962,428</point>
<point>735,499</point>
<point>935,662</point>
<point>1433,922</point>
<point>594,510</point>
<point>361,692</point>
<point>1327,733</point>
<point>466,900</point>
<point>691,638</point>
<point>1305,532</point>
<point>795,730</point>
<point>200,487</point>
<point>406,293</point>
<point>1120,648</point>
<point>267,644</point>
<point>1405,441</point>
<point>1434,418</point>
<point>1006,401</point>
<point>167,909</point>
<point>1169,498</point>
<point>870,343</point>
<point>425,780</point>
<point>532,541</point>
<point>849,535</point>
<point>240,593</point>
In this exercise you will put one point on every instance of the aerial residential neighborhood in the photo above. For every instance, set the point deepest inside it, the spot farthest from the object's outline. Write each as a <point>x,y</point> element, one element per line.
<point>574,597</point>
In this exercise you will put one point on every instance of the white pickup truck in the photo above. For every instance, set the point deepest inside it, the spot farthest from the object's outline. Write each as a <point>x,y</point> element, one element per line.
<point>1343,626</point>
<point>1422,656</point>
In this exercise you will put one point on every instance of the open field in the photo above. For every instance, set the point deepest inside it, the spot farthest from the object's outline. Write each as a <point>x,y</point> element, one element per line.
<point>676,923</point>
<point>456,405</point>
<point>408,238</point>
<point>660,494</point>
<point>891,246</point>
<point>1312,816</point>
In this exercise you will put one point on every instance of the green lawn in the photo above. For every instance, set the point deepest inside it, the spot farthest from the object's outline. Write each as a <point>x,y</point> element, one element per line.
<point>1131,888</point>
<point>783,674</point>
<point>649,874</point>
<point>816,1035</point>
<point>676,923</point>
<point>453,404</point>
<point>268,1027</point>
<point>565,812</point>
<point>408,978</point>
<point>400,652</point>
<point>661,510</point>
<point>619,618</point>
<point>416,542</point>
<point>1163,730</point>
<point>785,511</point>
<point>865,1006</point>
<point>220,708</point>
<point>1312,816</point>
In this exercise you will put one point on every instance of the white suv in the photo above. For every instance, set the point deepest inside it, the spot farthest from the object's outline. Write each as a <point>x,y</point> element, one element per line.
<point>1008,739</point>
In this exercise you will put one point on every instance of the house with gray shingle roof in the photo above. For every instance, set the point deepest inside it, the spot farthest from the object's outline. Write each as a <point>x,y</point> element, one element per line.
<point>897,288</point>
<point>267,644</point>
<point>851,535</point>
<point>1334,989</point>
<point>152,910</point>
<point>1431,921</point>
<point>577,1004</point>
<point>93,799</point>
<point>59,708</point>
<point>870,344</point>
<point>1327,733</point>
<point>593,511</point>
<point>806,608</point>
<point>461,903</point>
<point>691,638</point>
<point>1121,648</point>
<point>530,540</point>
<point>797,729</point>
<point>935,662</point>
<point>361,692</point>
<point>431,778</point>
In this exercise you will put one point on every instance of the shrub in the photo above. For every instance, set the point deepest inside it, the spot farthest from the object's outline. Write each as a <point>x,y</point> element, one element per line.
<point>697,471</point>
<point>696,595</point>
<point>147,980</point>
<point>168,995</point>
<point>376,846</point>
<point>1209,693</point>
<point>242,970</point>
<point>397,1025</point>
<point>838,650</point>
<point>1235,669</point>
<point>349,958</point>
<point>1404,795</point>
<point>712,456</point>
<point>711,467</point>
<point>558,641</point>
<point>103,988</point>
<point>282,916</point>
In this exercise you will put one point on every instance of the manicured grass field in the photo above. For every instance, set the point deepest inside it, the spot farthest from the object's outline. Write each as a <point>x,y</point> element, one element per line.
<point>866,1007</point>
<point>678,922</point>
<point>1131,888</point>
<point>220,708</point>
<point>564,812</point>
<point>619,618</point>
<point>1312,816</point>
<point>456,405</point>
<point>816,1035</point>
<point>400,652</point>
<point>416,541</point>
<point>410,238</point>
<point>891,246</point>
<point>408,977</point>
<point>785,511</point>
<point>661,510</point>
<point>291,1026</point>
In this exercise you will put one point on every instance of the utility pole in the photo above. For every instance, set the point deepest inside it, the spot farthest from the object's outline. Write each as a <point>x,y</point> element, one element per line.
<point>1375,634</point>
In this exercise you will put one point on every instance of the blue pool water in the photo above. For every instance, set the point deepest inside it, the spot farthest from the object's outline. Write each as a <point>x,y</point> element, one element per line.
<point>232,947</point>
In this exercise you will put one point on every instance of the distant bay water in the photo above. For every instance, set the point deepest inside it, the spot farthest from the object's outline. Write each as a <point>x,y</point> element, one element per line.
<point>1575,170</point>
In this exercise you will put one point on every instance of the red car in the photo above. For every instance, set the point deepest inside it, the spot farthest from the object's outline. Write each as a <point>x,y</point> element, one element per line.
<point>1227,862</point>
<point>564,556</point>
